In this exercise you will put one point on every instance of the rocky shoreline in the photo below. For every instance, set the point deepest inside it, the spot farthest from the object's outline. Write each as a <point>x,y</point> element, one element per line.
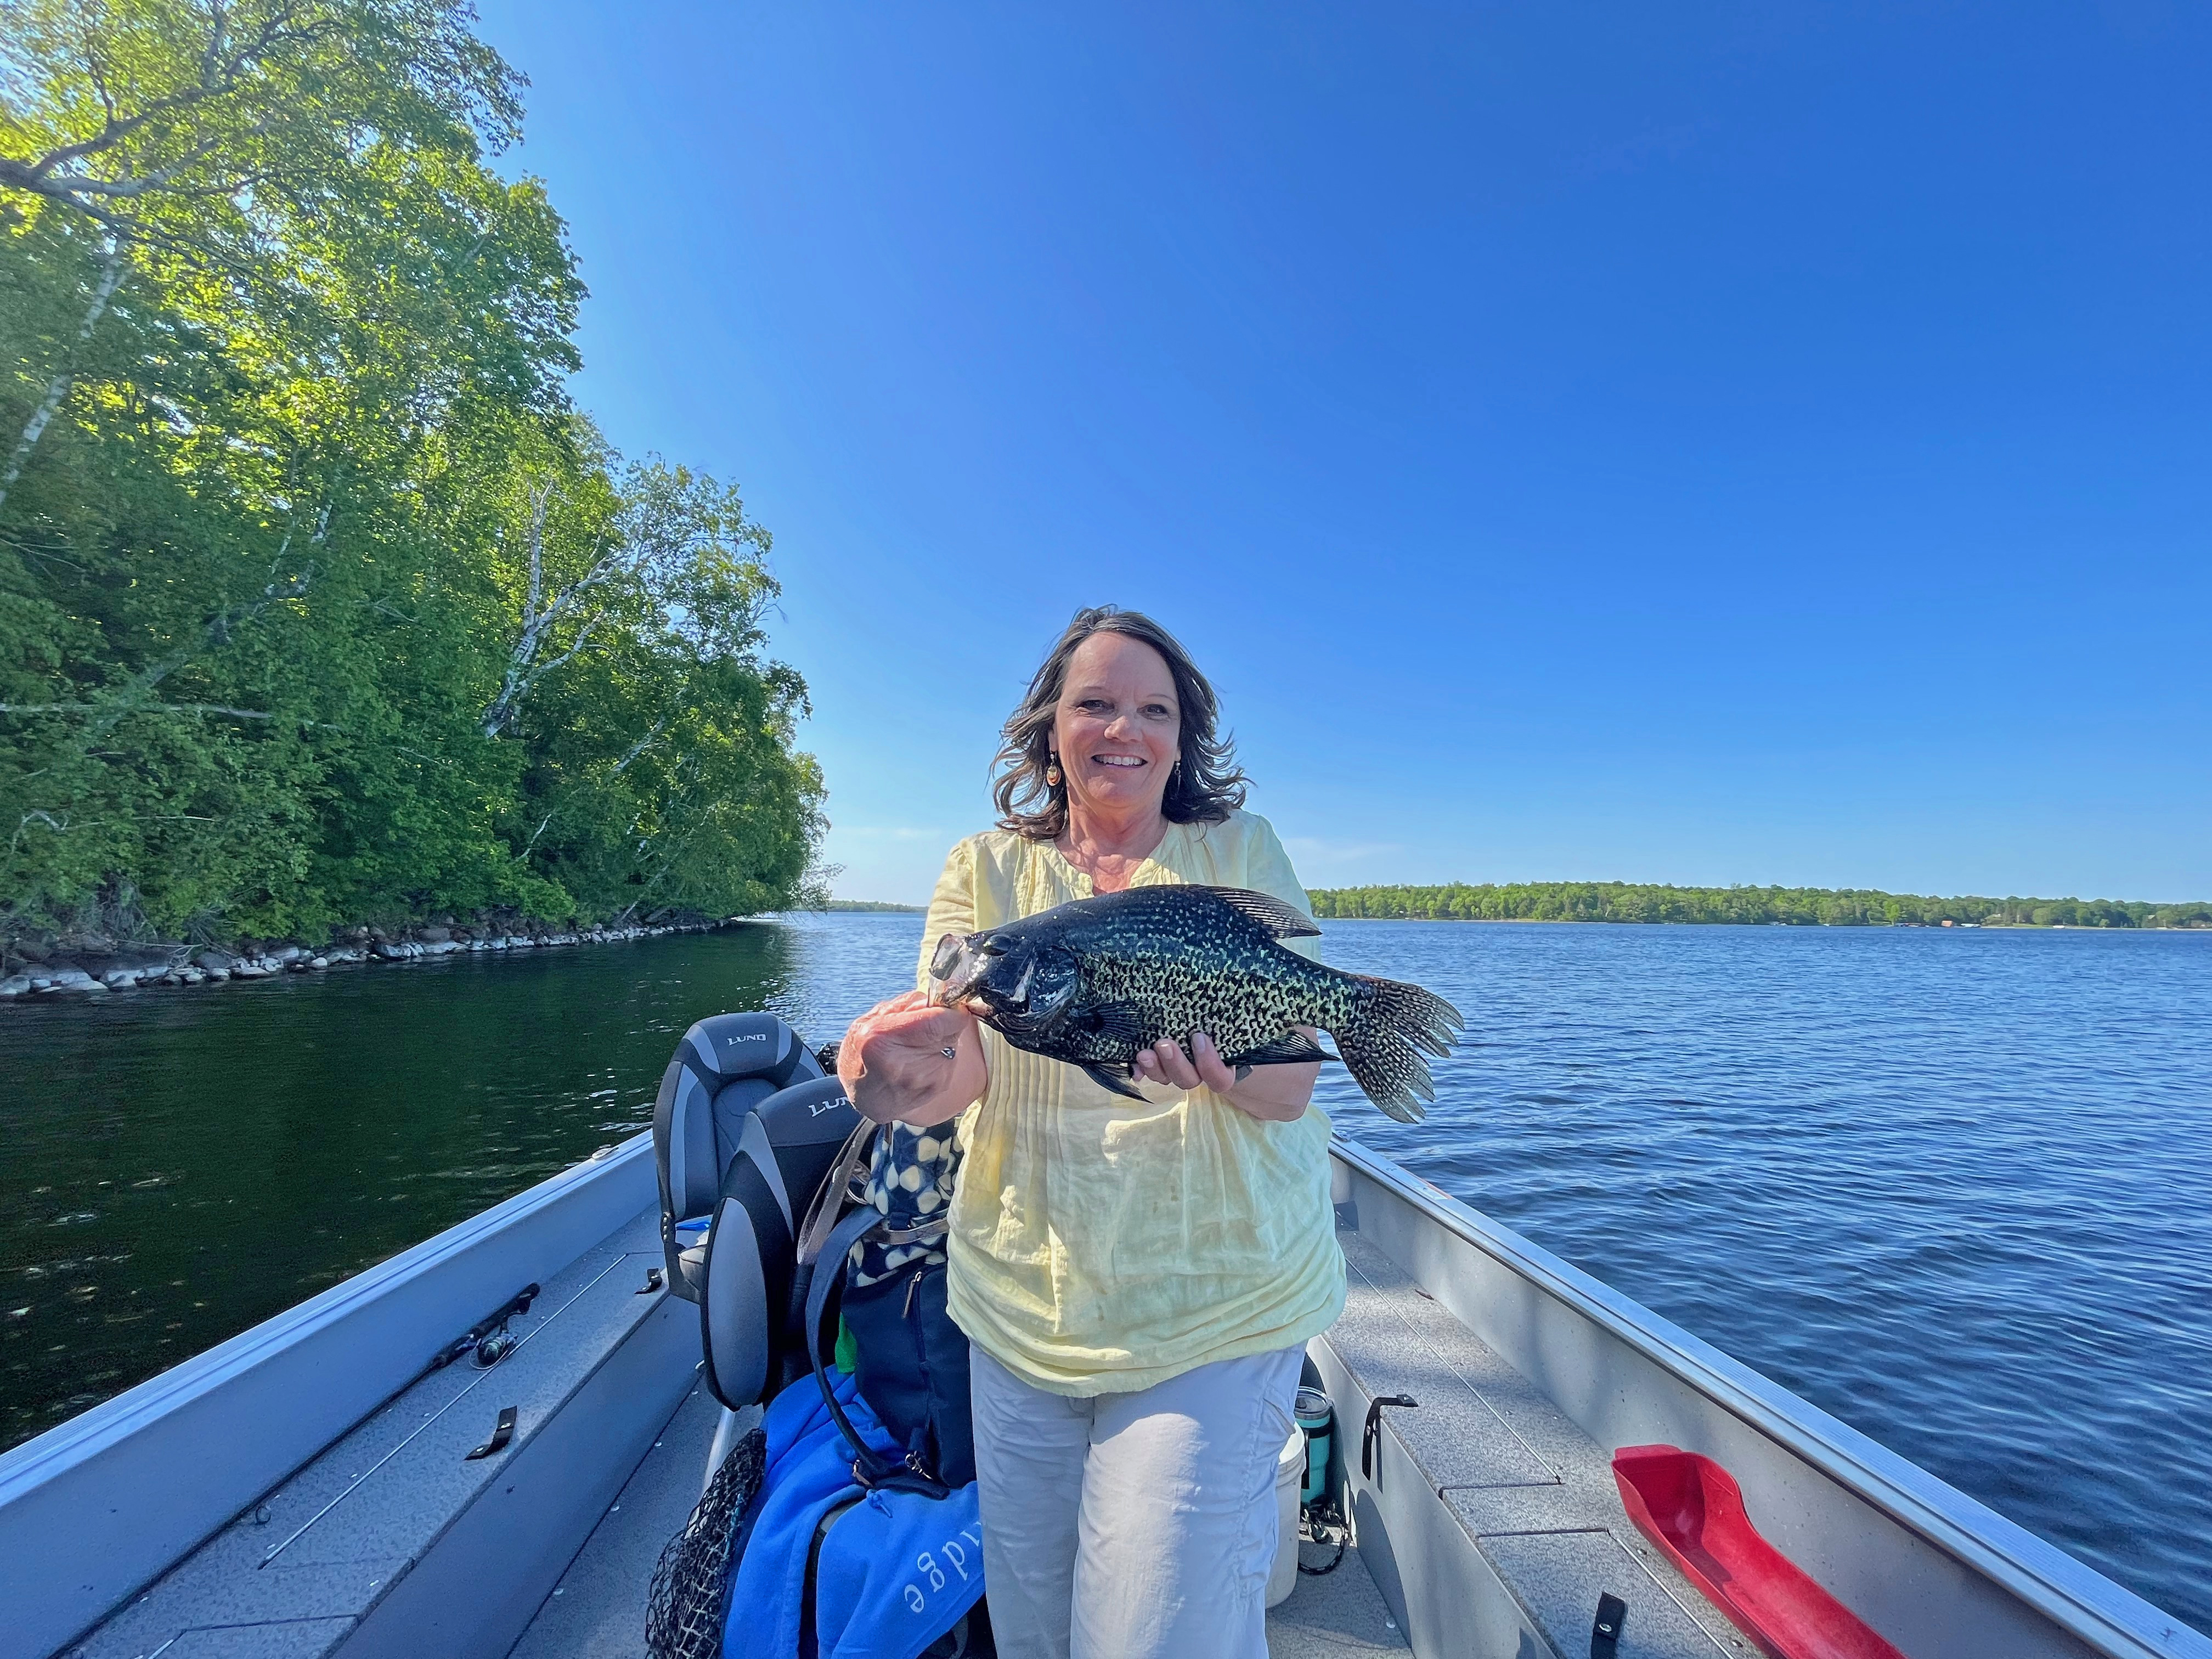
<point>91,966</point>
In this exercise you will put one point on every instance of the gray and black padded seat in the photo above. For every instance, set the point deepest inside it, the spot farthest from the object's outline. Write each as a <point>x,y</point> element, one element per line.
<point>744,1131</point>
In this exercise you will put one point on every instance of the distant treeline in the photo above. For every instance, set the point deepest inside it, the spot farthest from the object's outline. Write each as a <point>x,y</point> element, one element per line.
<point>1616,901</point>
<point>874,905</point>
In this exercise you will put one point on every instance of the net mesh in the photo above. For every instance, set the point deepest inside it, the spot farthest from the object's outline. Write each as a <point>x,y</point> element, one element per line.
<point>688,1603</point>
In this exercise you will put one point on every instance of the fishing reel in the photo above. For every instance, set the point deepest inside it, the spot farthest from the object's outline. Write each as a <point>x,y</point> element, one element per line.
<point>489,1340</point>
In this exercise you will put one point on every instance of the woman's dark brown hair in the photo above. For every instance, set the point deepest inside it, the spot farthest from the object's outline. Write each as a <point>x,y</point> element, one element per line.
<point>1205,784</point>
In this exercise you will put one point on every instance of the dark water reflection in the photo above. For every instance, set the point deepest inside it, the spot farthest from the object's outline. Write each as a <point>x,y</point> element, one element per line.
<point>181,1165</point>
<point>1955,1187</point>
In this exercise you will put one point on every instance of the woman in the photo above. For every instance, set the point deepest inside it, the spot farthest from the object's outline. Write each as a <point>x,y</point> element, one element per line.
<point>1138,1282</point>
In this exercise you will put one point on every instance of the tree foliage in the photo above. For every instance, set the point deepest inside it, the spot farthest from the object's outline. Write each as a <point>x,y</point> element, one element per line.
<point>1614,900</point>
<point>319,601</point>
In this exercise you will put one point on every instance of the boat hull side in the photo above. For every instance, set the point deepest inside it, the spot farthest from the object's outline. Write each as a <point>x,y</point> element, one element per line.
<point>95,1508</point>
<point>1931,1569</point>
<point>478,1587</point>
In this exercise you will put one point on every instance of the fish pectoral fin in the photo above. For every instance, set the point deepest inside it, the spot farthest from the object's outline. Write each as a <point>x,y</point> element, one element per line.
<point>1113,1084</point>
<point>1119,1022</point>
<point>1291,1048</point>
<point>1280,920</point>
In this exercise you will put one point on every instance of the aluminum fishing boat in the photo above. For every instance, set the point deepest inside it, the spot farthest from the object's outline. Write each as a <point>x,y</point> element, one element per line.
<point>1577,1477</point>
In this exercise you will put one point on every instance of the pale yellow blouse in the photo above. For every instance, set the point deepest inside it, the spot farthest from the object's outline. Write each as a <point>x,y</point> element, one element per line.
<point>1099,1245</point>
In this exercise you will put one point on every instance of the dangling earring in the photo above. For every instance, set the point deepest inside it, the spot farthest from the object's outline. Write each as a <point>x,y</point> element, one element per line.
<point>1052,773</point>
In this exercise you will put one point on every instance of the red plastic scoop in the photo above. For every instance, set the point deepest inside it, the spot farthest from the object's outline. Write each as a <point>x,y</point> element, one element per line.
<point>1693,1509</point>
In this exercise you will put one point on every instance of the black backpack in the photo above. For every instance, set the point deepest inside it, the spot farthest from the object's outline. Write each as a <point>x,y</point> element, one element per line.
<point>911,1360</point>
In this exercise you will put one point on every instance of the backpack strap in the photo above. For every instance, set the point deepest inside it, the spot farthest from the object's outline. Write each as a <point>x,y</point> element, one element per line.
<point>870,1468</point>
<point>808,1640</point>
<point>851,1163</point>
<point>822,1215</point>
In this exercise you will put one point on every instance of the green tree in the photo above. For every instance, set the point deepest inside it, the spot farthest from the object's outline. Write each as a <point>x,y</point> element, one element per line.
<point>1573,901</point>
<point>317,600</point>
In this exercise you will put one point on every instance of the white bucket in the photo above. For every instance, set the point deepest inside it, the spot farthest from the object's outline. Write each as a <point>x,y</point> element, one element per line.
<point>1290,1476</point>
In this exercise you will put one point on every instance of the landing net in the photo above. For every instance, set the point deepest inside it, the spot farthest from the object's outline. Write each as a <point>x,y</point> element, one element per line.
<point>689,1601</point>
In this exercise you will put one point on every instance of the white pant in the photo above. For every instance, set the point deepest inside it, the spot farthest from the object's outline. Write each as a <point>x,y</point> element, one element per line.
<point>1133,1526</point>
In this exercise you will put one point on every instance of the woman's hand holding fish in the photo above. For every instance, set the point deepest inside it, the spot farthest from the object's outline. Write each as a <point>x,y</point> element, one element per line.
<point>907,1061</point>
<point>1274,1094</point>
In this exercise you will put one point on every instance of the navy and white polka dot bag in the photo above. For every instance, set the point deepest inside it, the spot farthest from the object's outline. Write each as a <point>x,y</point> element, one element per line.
<point>910,1180</point>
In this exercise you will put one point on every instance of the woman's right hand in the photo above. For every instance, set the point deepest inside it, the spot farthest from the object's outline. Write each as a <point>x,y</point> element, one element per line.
<point>895,1066</point>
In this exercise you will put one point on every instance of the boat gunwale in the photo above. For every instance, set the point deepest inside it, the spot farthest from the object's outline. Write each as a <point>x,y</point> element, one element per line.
<point>2111,1619</point>
<point>144,1448</point>
<point>117,1418</point>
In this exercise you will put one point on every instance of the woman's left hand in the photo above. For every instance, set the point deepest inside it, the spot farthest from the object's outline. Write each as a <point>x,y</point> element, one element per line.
<point>1274,1094</point>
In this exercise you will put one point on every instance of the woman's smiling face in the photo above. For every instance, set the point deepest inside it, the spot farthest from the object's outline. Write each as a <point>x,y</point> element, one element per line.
<point>1118,725</point>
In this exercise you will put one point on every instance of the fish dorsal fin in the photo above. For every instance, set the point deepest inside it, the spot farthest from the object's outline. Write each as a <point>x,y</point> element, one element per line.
<point>1280,920</point>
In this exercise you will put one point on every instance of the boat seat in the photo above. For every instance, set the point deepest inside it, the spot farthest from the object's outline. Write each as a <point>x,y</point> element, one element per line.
<point>726,1065</point>
<point>743,1099</point>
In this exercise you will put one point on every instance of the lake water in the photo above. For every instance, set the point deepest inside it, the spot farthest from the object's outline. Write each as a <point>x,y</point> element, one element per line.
<point>1955,1187</point>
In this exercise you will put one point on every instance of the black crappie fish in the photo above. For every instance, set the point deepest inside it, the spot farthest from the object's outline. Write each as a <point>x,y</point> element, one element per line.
<point>1092,981</point>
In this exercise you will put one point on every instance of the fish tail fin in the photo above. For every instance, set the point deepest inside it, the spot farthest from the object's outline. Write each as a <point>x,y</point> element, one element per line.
<point>1391,1023</point>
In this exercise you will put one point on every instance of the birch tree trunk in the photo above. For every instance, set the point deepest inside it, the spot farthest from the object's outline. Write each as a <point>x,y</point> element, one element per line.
<point>524,668</point>
<point>111,273</point>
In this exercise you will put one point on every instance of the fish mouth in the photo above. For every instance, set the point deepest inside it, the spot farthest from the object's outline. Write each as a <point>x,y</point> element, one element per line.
<point>965,998</point>
<point>953,971</point>
<point>959,973</point>
<point>960,992</point>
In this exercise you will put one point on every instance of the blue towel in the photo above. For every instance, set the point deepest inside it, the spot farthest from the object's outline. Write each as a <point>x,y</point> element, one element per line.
<point>896,1570</point>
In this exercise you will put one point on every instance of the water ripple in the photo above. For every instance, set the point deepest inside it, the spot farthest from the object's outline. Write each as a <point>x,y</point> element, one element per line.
<point>1953,1187</point>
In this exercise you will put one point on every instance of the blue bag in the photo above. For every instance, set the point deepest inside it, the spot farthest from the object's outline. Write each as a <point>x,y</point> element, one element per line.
<point>834,1569</point>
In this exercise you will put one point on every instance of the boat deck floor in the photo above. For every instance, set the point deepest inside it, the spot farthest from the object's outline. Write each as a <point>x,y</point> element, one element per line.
<point>1508,1526</point>
<point>597,1609</point>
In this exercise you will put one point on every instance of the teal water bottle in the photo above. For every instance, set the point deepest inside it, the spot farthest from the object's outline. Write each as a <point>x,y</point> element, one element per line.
<point>1315,1420</point>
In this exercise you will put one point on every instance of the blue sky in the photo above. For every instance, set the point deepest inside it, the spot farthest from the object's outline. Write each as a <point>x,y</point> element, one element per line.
<point>1704,443</point>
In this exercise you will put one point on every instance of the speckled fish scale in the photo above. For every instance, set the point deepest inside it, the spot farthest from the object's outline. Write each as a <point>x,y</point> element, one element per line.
<point>1093,982</point>
<point>1196,969</point>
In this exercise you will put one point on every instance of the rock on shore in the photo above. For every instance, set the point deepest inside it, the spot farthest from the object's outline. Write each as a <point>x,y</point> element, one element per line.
<point>87,965</point>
